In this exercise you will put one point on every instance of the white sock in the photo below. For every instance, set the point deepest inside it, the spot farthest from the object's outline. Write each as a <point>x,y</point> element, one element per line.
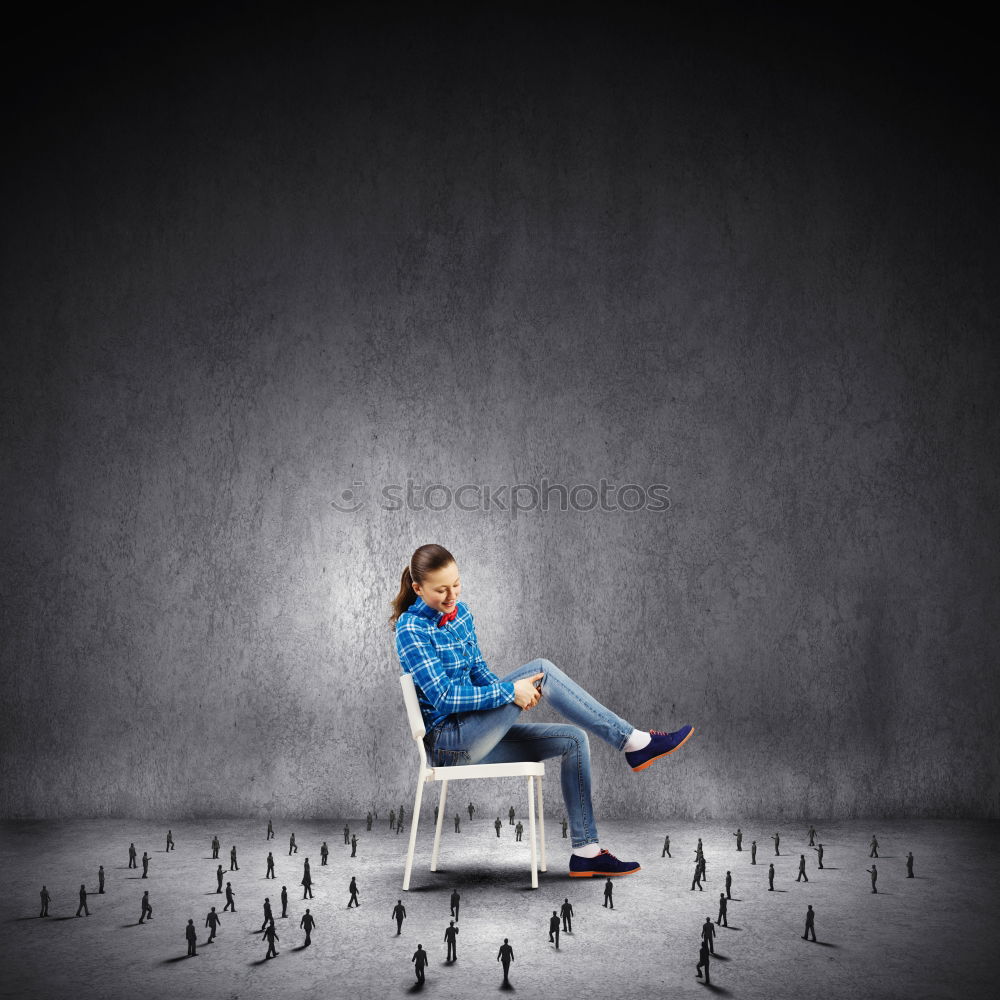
<point>639,739</point>
<point>587,851</point>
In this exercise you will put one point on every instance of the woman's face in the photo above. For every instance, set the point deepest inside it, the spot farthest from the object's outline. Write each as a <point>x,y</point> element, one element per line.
<point>440,588</point>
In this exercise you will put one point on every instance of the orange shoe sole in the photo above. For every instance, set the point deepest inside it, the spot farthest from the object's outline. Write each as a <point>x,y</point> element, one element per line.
<point>642,767</point>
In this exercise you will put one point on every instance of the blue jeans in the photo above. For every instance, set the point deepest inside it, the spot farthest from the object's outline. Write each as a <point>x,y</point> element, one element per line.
<point>495,736</point>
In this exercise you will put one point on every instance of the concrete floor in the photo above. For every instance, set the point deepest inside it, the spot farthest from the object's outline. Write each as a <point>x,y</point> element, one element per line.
<point>923,937</point>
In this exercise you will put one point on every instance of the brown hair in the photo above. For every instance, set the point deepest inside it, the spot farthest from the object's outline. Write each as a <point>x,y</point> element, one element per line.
<point>425,560</point>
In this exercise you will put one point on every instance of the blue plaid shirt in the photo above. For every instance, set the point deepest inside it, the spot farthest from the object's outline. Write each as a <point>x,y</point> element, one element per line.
<point>448,669</point>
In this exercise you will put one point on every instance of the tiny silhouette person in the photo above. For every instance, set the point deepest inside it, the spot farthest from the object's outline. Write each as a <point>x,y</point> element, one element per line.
<point>399,820</point>
<point>233,866</point>
<point>45,902</point>
<point>819,855</point>
<point>566,911</point>
<point>802,869</point>
<point>271,933</point>
<point>170,841</point>
<point>270,830</point>
<point>192,937</point>
<point>722,918</point>
<point>909,864</point>
<point>873,853</point>
<point>708,934</point>
<point>564,825</point>
<point>324,852</point>
<point>753,852</point>
<point>368,820</point>
<point>608,890</point>
<point>739,839</point>
<point>307,881</point>
<point>347,834</point>
<point>147,910</point>
<point>436,808</point>
<point>518,830</point>
<point>399,915</point>
<point>230,898</point>
<point>770,877</point>
<point>83,901</point>
<point>703,954</point>
<point>212,921</point>
<point>145,865</point>
<point>219,876</point>
<point>810,927</point>
<point>505,956</point>
<point>100,880</point>
<point>456,900</point>
<point>132,856</point>
<point>873,871</point>
<point>419,960</point>
<point>458,823</point>
<point>270,865</point>
<point>293,848</point>
<point>497,825</point>
<point>666,847</point>
<point>392,818</point>
<point>268,915</point>
<point>451,937</point>
<point>812,836</point>
<point>696,881</point>
<point>729,885</point>
<point>777,841</point>
<point>510,815</point>
<point>554,927</point>
<point>472,809</point>
<point>353,887</point>
<point>216,844</point>
<point>284,901</point>
<point>354,845</point>
<point>308,922</point>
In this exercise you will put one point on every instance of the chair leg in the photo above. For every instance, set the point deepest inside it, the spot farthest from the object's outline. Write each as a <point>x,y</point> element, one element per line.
<point>414,819</point>
<point>541,824</point>
<point>531,831</point>
<point>437,829</point>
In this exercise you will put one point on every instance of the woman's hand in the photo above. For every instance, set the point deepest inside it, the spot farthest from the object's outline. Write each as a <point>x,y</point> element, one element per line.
<point>526,695</point>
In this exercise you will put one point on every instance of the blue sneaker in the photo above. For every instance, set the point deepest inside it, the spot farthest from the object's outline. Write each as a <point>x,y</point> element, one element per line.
<point>659,746</point>
<point>604,864</point>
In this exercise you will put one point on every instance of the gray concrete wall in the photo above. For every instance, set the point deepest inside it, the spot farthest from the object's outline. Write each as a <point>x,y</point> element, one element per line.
<point>249,266</point>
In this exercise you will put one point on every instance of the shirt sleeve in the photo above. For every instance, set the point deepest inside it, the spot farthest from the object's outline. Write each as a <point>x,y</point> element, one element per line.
<point>419,658</point>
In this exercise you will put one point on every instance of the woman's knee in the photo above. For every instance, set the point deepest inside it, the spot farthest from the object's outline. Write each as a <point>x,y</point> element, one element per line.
<point>577,740</point>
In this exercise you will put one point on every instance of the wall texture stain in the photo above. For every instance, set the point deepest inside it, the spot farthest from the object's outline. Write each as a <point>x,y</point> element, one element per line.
<point>300,267</point>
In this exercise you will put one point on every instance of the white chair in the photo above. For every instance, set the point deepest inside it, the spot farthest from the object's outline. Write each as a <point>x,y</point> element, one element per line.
<point>533,770</point>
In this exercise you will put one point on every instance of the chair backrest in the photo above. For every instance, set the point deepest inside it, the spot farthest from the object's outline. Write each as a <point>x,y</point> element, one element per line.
<point>413,713</point>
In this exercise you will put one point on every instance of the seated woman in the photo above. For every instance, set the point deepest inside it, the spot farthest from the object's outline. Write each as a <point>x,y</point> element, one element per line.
<point>474,717</point>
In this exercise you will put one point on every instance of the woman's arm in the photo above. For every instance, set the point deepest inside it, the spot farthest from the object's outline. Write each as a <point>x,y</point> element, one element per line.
<point>419,658</point>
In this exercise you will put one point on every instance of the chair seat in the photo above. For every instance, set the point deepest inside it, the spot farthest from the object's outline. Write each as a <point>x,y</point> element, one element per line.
<point>513,769</point>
